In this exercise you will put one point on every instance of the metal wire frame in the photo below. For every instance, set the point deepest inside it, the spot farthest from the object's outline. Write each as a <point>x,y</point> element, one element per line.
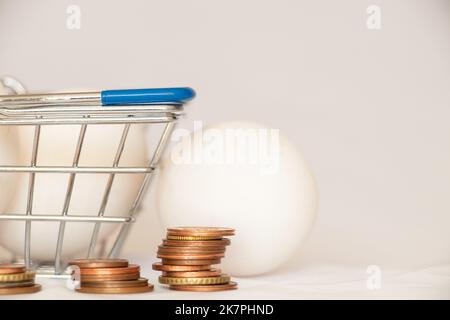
<point>84,116</point>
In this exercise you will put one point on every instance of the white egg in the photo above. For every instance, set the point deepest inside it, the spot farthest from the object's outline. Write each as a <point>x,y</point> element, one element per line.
<point>9,155</point>
<point>57,147</point>
<point>246,176</point>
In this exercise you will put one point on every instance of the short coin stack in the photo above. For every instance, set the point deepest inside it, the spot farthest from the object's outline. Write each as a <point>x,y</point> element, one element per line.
<point>15,279</point>
<point>187,256</point>
<point>110,276</point>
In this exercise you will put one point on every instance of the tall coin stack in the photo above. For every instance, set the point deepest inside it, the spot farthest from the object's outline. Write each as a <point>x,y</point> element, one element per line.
<point>188,254</point>
<point>15,279</point>
<point>110,276</point>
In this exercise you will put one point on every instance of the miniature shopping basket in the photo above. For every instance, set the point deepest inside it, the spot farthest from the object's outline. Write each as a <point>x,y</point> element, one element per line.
<point>123,108</point>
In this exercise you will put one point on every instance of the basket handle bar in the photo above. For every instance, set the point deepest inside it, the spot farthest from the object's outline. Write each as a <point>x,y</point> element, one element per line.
<point>127,97</point>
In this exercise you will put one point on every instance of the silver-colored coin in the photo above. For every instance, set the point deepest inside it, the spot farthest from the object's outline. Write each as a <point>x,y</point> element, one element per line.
<point>17,284</point>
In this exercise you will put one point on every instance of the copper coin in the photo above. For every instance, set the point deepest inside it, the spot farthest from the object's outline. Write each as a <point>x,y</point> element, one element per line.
<point>158,266</point>
<point>11,268</point>
<point>99,263</point>
<point>125,290</point>
<point>20,290</point>
<point>112,277</point>
<point>193,274</point>
<point>207,243</point>
<point>200,231</point>
<point>166,249</point>
<point>132,268</point>
<point>191,256</point>
<point>193,238</point>
<point>205,288</point>
<point>190,262</point>
<point>141,282</point>
<point>190,252</point>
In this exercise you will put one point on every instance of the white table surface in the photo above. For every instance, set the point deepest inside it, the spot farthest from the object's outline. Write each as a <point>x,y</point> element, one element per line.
<point>319,281</point>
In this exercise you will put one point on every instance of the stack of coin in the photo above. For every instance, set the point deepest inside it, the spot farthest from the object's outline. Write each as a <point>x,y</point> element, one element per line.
<point>188,254</point>
<point>15,279</point>
<point>110,276</point>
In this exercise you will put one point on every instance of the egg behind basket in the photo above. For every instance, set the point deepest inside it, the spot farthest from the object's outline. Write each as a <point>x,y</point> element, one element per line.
<point>9,155</point>
<point>57,147</point>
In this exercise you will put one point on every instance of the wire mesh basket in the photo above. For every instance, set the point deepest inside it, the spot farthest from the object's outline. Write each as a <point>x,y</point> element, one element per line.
<point>123,108</point>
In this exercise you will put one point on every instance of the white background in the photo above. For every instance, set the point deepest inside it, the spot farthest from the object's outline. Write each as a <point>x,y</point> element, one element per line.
<point>370,110</point>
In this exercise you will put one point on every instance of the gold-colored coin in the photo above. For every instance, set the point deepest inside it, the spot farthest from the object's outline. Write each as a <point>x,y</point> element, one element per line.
<point>17,277</point>
<point>20,290</point>
<point>201,231</point>
<point>206,288</point>
<point>111,277</point>
<point>158,266</point>
<point>99,263</point>
<point>126,290</point>
<point>187,262</point>
<point>193,238</point>
<point>6,268</point>
<point>194,281</point>
<point>193,274</point>
<point>142,282</point>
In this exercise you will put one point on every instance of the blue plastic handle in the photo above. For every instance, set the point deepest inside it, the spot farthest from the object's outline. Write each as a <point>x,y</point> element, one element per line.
<point>146,96</point>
